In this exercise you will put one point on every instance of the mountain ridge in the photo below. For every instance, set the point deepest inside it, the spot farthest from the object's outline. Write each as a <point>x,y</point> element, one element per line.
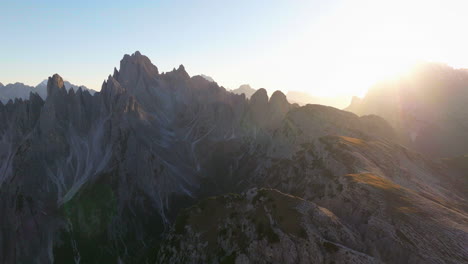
<point>423,107</point>
<point>102,177</point>
<point>21,91</point>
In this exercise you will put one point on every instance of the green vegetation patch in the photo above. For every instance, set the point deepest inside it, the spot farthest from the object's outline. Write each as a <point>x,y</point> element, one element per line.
<point>89,215</point>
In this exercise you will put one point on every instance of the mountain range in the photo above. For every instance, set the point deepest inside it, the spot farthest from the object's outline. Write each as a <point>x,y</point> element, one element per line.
<point>244,89</point>
<point>427,106</point>
<point>22,91</point>
<point>164,167</point>
<point>300,98</point>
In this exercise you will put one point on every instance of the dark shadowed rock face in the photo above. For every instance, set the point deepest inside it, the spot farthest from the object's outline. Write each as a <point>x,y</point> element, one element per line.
<point>278,106</point>
<point>99,177</point>
<point>259,107</point>
<point>135,66</point>
<point>261,226</point>
<point>369,204</point>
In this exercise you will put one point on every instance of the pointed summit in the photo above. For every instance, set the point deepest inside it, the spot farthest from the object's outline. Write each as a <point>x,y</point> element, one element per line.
<point>278,99</point>
<point>259,97</point>
<point>111,87</point>
<point>116,73</point>
<point>258,105</point>
<point>278,105</point>
<point>133,66</point>
<point>244,89</point>
<point>43,83</point>
<point>55,83</point>
<point>182,72</point>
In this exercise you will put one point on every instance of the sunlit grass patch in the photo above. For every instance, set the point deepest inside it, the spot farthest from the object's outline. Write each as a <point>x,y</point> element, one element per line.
<point>373,180</point>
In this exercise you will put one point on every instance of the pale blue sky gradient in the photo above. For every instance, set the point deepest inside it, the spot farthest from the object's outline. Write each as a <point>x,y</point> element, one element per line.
<point>84,40</point>
<point>289,45</point>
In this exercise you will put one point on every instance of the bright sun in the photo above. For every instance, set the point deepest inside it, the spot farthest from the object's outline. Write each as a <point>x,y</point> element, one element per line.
<point>362,42</point>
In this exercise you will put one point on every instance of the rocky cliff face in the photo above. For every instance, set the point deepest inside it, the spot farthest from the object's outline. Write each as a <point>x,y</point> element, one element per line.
<point>100,178</point>
<point>139,147</point>
<point>376,203</point>
<point>261,226</point>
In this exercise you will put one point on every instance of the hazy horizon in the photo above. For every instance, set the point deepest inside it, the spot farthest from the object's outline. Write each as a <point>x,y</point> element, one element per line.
<point>327,49</point>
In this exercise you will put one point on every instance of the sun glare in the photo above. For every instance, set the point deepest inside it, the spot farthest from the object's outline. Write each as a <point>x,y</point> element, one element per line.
<point>363,42</point>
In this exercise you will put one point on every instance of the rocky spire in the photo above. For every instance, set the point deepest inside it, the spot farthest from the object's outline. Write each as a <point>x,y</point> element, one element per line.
<point>116,73</point>
<point>260,97</point>
<point>132,67</point>
<point>182,72</point>
<point>278,106</point>
<point>259,107</point>
<point>55,83</point>
<point>278,100</point>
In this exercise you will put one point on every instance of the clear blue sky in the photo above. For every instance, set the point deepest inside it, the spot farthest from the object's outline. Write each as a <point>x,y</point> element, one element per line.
<point>315,46</point>
<point>84,40</point>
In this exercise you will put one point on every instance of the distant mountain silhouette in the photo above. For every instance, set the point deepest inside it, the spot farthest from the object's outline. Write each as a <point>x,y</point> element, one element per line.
<point>22,91</point>
<point>244,89</point>
<point>428,106</point>
<point>303,98</point>
<point>15,90</point>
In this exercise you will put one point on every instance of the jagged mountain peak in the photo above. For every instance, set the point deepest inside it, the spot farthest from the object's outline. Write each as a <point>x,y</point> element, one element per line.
<point>134,66</point>
<point>54,84</point>
<point>181,68</point>
<point>244,89</point>
<point>116,73</point>
<point>181,72</point>
<point>278,105</point>
<point>135,57</point>
<point>80,173</point>
<point>260,95</point>
<point>278,97</point>
<point>43,83</point>
<point>111,86</point>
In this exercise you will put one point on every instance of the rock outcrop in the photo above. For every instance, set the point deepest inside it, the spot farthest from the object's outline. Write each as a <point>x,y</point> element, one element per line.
<point>261,226</point>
